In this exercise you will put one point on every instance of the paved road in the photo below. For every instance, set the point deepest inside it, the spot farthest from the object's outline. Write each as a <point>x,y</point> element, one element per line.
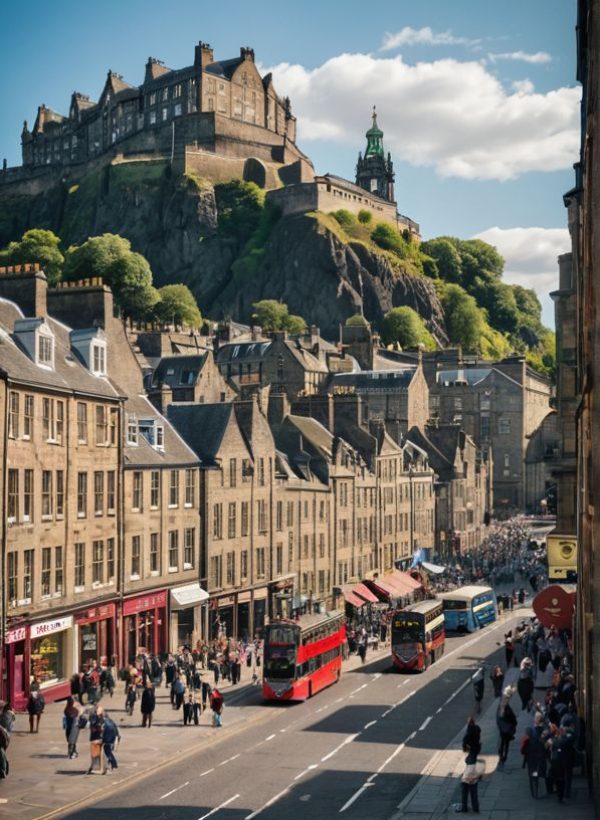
<point>354,750</point>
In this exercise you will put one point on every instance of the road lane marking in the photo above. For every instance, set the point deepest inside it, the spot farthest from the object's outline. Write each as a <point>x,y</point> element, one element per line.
<point>267,804</point>
<point>425,724</point>
<point>355,797</point>
<point>208,771</point>
<point>410,737</point>
<point>438,710</point>
<point>269,738</point>
<point>229,759</point>
<point>168,794</point>
<point>349,739</point>
<point>218,808</point>
<point>368,725</point>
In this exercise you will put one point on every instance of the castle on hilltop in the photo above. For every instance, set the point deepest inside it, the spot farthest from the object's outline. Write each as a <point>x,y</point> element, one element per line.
<point>219,107</point>
<point>216,119</point>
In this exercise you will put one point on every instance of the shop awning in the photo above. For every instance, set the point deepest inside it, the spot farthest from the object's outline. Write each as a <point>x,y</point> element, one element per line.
<point>437,569</point>
<point>382,587</point>
<point>364,592</point>
<point>187,595</point>
<point>352,598</point>
<point>405,582</point>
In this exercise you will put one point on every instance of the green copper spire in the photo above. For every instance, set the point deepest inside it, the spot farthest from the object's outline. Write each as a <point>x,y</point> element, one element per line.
<point>374,139</point>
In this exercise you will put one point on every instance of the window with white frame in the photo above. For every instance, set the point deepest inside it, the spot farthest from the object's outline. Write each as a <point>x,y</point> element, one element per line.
<point>132,430</point>
<point>45,348</point>
<point>173,550</point>
<point>189,547</point>
<point>99,359</point>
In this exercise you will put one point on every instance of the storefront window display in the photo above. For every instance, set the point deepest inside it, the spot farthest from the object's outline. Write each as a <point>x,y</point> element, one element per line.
<point>48,658</point>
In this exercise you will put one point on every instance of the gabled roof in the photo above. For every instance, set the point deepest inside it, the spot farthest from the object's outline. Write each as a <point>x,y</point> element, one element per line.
<point>175,451</point>
<point>203,427</point>
<point>439,460</point>
<point>242,351</point>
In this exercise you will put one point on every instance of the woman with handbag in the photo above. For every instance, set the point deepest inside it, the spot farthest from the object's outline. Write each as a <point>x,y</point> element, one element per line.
<point>506,721</point>
<point>96,732</point>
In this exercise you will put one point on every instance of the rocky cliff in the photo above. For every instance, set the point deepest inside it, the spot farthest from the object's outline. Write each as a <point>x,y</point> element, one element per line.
<point>230,252</point>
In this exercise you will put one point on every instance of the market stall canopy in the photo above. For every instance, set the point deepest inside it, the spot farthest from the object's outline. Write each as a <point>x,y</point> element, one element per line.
<point>404,582</point>
<point>437,569</point>
<point>382,588</point>
<point>188,595</point>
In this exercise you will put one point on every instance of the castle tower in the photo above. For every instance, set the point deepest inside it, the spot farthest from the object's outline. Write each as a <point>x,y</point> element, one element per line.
<point>375,171</point>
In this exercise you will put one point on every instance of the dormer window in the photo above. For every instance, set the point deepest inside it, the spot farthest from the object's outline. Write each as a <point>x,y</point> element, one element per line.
<point>45,350</point>
<point>153,432</point>
<point>132,431</point>
<point>99,358</point>
<point>90,345</point>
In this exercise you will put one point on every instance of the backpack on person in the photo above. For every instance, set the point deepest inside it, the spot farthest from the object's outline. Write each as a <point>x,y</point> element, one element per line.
<point>110,733</point>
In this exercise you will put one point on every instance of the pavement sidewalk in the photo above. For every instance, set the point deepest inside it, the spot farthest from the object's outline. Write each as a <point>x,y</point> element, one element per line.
<point>43,780</point>
<point>503,793</point>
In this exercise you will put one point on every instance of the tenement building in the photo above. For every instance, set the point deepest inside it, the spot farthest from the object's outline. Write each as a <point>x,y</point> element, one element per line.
<point>101,553</point>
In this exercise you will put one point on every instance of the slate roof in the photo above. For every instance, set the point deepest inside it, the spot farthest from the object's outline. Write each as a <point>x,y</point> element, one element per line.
<point>175,452</point>
<point>224,68</point>
<point>69,373</point>
<point>170,369</point>
<point>469,375</point>
<point>242,351</point>
<point>202,426</point>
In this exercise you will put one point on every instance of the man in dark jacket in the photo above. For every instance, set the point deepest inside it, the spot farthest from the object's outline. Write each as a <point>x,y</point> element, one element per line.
<point>148,704</point>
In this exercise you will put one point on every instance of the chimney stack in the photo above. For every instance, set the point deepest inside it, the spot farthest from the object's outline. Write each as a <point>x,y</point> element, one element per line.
<point>27,286</point>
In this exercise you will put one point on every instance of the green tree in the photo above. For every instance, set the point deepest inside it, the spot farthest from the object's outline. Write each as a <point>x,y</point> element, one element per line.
<point>126,272</point>
<point>405,326</point>
<point>344,217</point>
<point>365,217</point>
<point>273,315</point>
<point>36,245</point>
<point>446,257</point>
<point>239,206</point>
<point>464,320</point>
<point>388,238</point>
<point>177,304</point>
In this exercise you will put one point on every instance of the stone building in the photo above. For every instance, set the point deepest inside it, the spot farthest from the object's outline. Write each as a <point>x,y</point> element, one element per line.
<point>223,107</point>
<point>461,487</point>
<point>103,513</point>
<point>192,378</point>
<point>500,406</point>
<point>578,342</point>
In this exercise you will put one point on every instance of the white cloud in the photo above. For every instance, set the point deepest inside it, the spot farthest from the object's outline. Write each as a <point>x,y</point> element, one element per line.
<point>530,256</point>
<point>537,58</point>
<point>452,115</point>
<point>523,87</point>
<point>423,37</point>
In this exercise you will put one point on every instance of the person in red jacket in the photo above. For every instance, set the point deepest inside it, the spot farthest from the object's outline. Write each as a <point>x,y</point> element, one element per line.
<point>216,704</point>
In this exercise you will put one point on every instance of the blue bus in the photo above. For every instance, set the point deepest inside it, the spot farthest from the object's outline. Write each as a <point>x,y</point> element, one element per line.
<point>469,608</point>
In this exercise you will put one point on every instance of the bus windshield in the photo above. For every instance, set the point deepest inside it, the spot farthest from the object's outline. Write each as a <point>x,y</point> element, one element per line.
<point>283,633</point>
<point>450,604</point>
<point>280,662</point>
<point>405,630</point>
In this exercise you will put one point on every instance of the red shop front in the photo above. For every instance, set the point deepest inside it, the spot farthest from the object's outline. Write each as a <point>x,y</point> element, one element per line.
<point>145,624</point>
<point>96,635</point>
<point>16,654</point>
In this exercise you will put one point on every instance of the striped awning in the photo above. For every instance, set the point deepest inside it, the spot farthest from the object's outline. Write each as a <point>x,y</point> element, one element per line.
<point>352,598</point>
<point>364,592</point>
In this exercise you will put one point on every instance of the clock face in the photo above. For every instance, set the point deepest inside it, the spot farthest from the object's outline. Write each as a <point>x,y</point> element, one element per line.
<point>554,606</point>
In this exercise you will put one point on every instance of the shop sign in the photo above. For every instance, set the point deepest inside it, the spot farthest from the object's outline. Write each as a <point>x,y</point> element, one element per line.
<point>554,606</point>
<point>47,627</point>
<point>15,635</point>
<point>88,643</point>
<point>97,613</point>
<point>144,602</point>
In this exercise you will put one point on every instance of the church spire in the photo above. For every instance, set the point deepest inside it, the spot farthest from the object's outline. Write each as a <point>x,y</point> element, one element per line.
<point>374,172</point>
<point>374,138</point>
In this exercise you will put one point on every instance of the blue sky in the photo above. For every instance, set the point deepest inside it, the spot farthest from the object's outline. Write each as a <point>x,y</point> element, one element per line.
<point>476,99</point>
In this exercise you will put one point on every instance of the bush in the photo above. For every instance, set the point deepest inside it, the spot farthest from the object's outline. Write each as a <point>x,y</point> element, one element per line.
<point>403,325</point>
<point>388,238</point>
<point>365,217</point>
<point>344,217</point>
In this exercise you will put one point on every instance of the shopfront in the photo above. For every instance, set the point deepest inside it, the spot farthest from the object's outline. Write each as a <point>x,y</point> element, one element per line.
<point>260,610</point>
<point>187,603</point>
<point>16,655</point>
<point>221,620</point>
<point>280,597</point>
<point>95,635</point>
<point>51,655</point>
<point>145,624</point>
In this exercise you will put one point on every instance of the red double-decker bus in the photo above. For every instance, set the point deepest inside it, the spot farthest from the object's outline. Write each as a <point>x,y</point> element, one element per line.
<point>418,635</point>
<point>301,657</point>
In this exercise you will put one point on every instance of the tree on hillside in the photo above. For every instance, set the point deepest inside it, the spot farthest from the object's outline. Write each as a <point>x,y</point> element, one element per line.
<point>405,326</point>
<point>126,272</point>
<point>177,305</point>
<point>388,238</point>
<point>446,257</point>
<point>464,320</point>
<point>273,315</point>
<point>36,245</point>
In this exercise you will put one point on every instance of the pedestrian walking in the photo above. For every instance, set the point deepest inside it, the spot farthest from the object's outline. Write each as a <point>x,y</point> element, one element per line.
<point>130,698</point>
<point>216,704</point>
<point>148,704</point>
<point>561,752</point>
<point>96,730</point>
<point>70,716</point>
<point>110,737</point>
<point>507,724</point>
<point>472,737</point>
<point>362,648</point>
<point>216,670</point>
<point>205,693</point>
<point>188,710</point>
<point>7,717</point>
<point>497,678</point>
<point>76,687</point>
<point>478,687</point>
<point>525,684</point>
<point>469,783</point>
<point>508,648</point>
<point>534,752</point>
<point>35,709</point>
<point>179,689</point>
